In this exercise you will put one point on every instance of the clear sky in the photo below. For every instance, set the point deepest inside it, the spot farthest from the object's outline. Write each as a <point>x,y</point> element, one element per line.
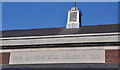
<point>33,15</point>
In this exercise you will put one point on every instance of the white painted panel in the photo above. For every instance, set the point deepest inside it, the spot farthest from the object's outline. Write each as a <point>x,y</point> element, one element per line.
<point>113,38</point>
<point>58,56</point>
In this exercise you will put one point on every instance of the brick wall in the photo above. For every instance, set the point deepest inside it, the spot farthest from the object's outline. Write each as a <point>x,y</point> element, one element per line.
<point>4,58</point>
<point>112,56</point>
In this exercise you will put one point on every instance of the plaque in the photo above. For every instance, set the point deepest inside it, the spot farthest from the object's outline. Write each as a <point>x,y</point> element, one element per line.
<point>58,56</point>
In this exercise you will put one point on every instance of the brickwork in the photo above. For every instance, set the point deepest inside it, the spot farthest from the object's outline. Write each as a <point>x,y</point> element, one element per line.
<point>112,56</point>
<point>4,58</point>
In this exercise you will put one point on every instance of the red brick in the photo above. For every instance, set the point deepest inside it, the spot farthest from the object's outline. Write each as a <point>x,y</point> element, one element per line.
<point>4,58</point>
<point>112,56</point>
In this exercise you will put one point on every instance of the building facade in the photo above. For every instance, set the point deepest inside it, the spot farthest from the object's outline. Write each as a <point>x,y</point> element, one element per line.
<point>85,47</point>
<point>75,47</point>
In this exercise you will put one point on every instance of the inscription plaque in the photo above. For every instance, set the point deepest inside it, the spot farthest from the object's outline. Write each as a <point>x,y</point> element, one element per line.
<point>58,56</point>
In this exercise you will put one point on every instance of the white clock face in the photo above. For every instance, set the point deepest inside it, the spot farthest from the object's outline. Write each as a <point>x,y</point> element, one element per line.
<point>73,17</point>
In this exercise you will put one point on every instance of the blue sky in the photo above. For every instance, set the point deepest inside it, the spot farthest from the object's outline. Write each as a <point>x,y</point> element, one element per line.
<point>33,15</point>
